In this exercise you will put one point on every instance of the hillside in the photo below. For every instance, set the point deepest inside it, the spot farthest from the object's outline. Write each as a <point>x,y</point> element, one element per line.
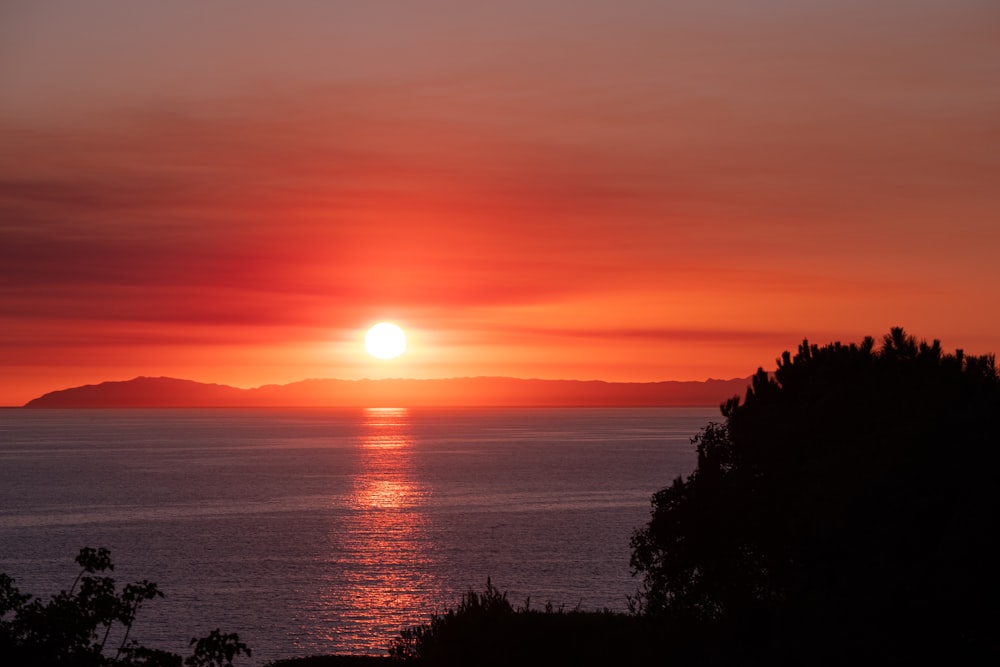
<point>479,391</point>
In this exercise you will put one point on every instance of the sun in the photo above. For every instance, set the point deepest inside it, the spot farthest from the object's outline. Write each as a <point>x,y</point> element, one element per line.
<point>385,340</point>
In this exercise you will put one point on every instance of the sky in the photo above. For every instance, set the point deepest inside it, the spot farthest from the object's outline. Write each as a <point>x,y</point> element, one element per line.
<point>234,191</point>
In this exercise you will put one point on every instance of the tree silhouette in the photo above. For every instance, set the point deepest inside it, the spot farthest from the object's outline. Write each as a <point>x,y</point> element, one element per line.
<point>72,629</point>
<point>846,503</point>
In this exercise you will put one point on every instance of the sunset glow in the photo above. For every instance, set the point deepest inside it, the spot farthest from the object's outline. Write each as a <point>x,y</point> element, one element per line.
<point>226,192</point>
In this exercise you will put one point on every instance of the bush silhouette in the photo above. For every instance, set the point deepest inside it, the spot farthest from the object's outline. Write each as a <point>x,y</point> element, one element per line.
<point>476,622</point>
<point>847,503</point>
<point>73,629</point>
<point>487,631</point>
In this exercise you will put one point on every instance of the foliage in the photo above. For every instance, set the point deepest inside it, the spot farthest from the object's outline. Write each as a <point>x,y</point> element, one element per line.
<point>474,621</point>
<point>74,627</point>
<point>487,630</point>
<point>847,503</point>
<point>216,649</point>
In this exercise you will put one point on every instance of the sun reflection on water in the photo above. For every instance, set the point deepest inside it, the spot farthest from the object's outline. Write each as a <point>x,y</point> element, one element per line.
<point>379,581</point>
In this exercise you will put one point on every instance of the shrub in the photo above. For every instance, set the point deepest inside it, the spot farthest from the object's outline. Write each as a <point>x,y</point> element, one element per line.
<point>73,628</point>
<point>486,630</point>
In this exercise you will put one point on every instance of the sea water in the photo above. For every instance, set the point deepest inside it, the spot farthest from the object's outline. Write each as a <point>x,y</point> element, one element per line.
<point>328,530</point>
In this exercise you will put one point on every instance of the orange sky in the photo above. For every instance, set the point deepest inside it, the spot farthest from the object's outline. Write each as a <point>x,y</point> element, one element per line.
<point>233,191</point>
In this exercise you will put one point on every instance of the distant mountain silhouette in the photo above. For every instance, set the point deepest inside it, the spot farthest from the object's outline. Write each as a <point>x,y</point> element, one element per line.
<point>147,392</point>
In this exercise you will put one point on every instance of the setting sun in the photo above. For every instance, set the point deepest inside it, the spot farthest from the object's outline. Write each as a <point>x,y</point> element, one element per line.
<point>385,340</point>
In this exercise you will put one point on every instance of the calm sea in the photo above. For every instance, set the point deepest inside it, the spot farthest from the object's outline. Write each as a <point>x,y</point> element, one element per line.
<point>323,531</point>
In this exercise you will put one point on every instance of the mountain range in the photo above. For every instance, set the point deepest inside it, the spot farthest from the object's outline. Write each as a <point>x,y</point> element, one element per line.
<point>164,392</point>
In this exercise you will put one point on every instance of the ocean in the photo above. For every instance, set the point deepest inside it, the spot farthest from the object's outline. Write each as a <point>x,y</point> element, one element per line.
<point>328,530</point>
